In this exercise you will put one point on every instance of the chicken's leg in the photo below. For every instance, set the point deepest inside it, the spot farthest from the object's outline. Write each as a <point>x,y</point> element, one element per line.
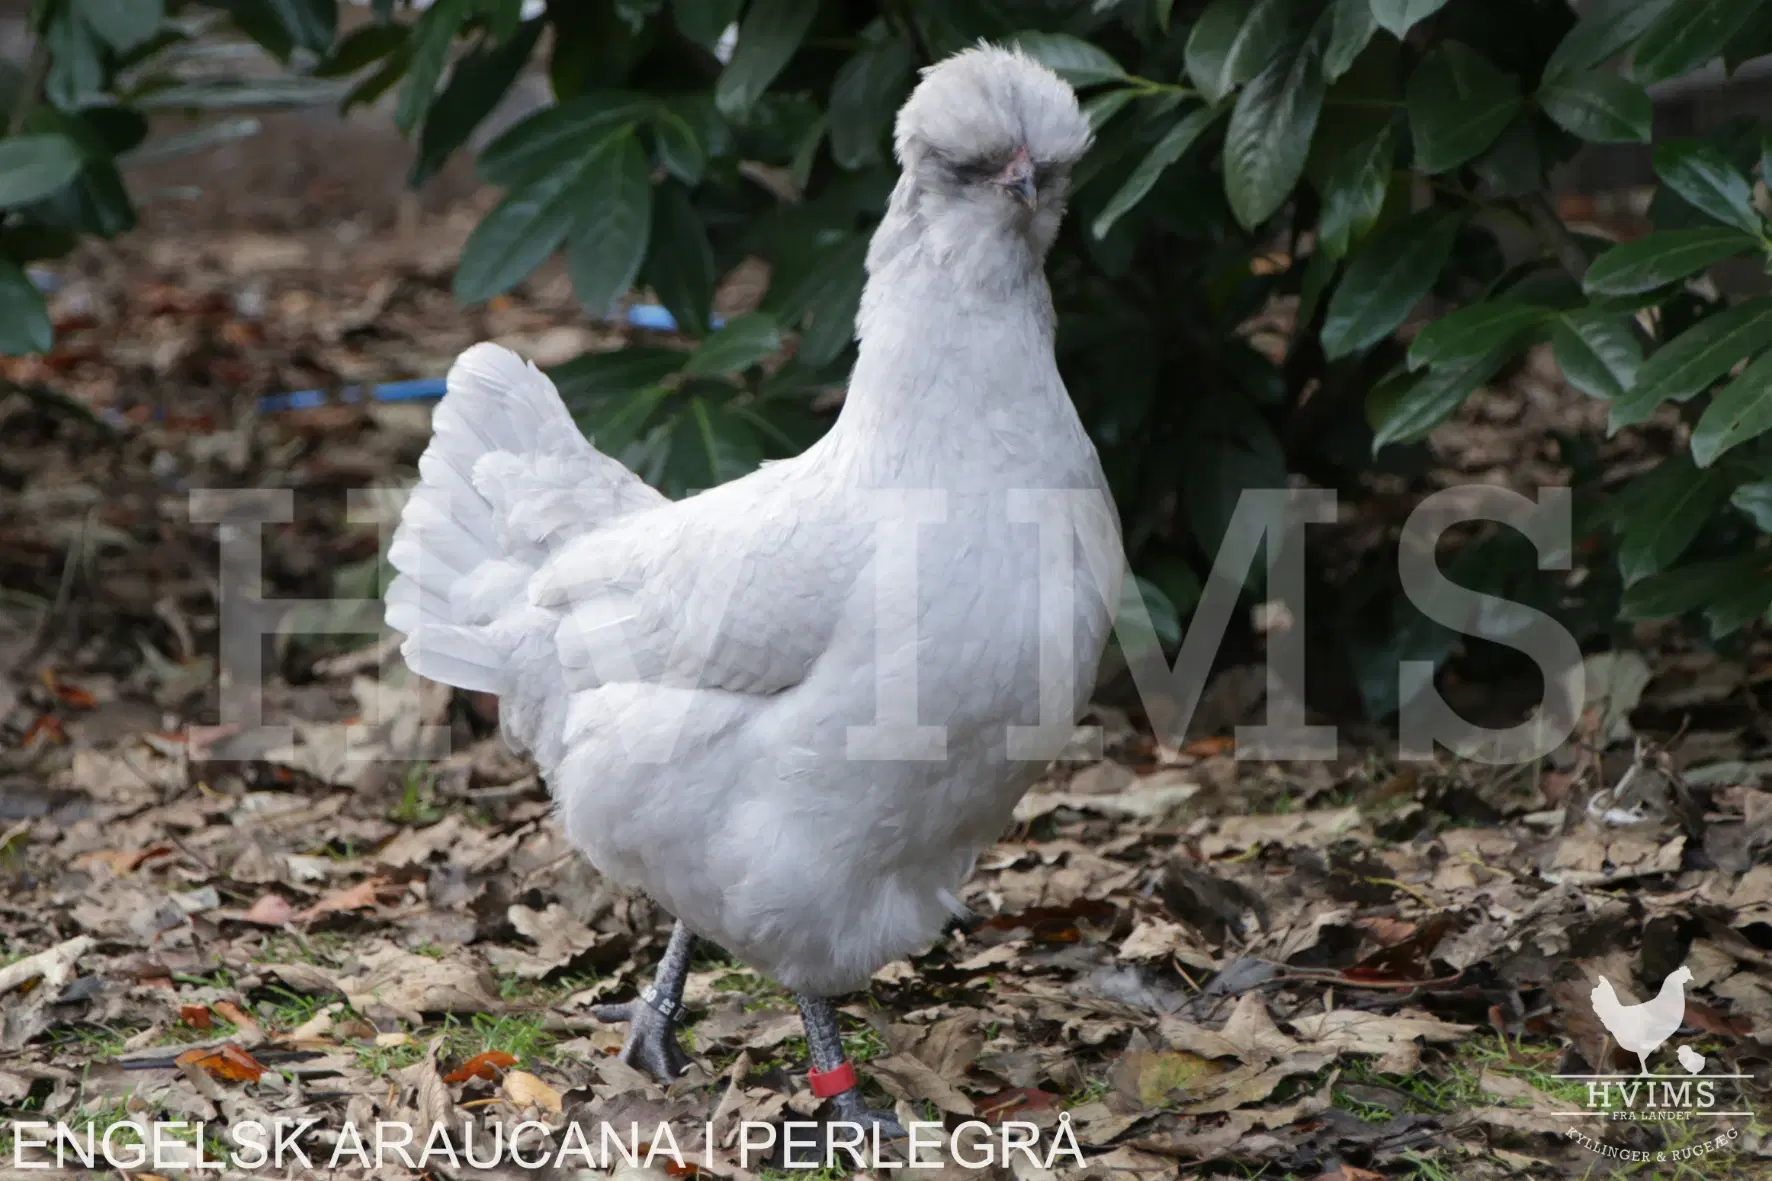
<point>833,1078</point>
<point>651,1044</point>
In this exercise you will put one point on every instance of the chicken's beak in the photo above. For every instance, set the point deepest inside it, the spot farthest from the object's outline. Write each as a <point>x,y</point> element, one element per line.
<point>1017,179</point>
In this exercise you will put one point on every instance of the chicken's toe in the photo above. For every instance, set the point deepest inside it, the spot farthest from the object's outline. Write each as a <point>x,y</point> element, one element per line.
<point>651,1043</point>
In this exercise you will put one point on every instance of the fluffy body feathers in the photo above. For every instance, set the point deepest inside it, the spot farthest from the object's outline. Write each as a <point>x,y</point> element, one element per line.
<point>694,677</point>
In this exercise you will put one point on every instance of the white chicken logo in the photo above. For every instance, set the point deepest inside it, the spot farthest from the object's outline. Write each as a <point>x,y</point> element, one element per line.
<point>1642,1028</point>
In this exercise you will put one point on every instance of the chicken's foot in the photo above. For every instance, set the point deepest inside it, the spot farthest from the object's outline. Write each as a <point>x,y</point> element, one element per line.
<point>651,1043</point>
<point>832,1077</point>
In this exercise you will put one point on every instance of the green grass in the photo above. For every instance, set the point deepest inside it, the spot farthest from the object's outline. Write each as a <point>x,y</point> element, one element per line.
<point>320,948</point>
<point>95,1043</point>
<point>1372,1113</point>
<point>180,1034</point>
<point>758,991</point>
<point>1455,1084</point>
<point>518,991</point>
<point>383,1060</point>
<point>222,978</point>
<point>520,1035</point>
<point>1427,1169</point>
<point>1089,1092</point>
<point>285,1008</point>
<point>418,798</point>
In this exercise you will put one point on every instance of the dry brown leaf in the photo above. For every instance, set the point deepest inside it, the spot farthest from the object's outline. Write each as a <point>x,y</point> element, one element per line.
<point>412,985</point>
<point>269,910</point>
<point>1393,1038</point>
<point>905,1076</point>
<point>524,1089</point>
<point>361,896</point>
<point>484,1065</point>
<point>226,1061</point>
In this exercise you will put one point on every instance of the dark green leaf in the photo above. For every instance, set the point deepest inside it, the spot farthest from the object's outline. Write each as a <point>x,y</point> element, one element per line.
<point>592,377</point>
<point>76,66</point>
<point>616,427</point>
<point>704,21</point>
<point>520,232</point>
<point>1660,258</point>
<point>377,82</point>
<point>1269,137</point>
<point>1756,501</point>
<point>1600,108</point>
<point>710,445</point>
<point>1742,410</point>
<point>557,135</point>
<point>1678,500</point>
<point>1604,30</point>
<point>1739,604</point>
<point>1472,333</point>
<point>635,13</point>
<point>1385,280</point>
<point>833,319</point>
<point>431,38</point>
<point>480,79</point>
<point>34,166</point>
<point>1352,27</point>
<point>1355,194</point>
<point>1076,61</point>
<point>309,23</point>
<point>1175,142</point>
<point>866,94</point>
<point>611,223</point>
<point>735,347</point>
<point>1672,593</point>
<point>678,148</point>
<point>1399,16</point>
<point>792,294</point>
<point>24,318</point>
<point>767,38</point>
<point>1406,408</point>
<point>1707,181</point>
<point>1229,451</point>
<point>362,48</point>
<point>1598,352</point>
<point>1458,104</point>
<point>97,202</point>
<point>1232,41</point>
<point>1753,41</point>
<point>680,264</point>
<point>122,24</point>
<point>1688,35</point>
<point>1104,106</point>
<point>1690,362</point>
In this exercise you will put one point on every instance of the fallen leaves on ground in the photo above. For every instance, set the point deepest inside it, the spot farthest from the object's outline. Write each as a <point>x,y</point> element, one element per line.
<point>1202,966</point>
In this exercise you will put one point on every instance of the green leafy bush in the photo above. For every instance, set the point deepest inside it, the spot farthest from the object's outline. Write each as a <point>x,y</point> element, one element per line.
<point>76,114</point>
<point>1343,160</point>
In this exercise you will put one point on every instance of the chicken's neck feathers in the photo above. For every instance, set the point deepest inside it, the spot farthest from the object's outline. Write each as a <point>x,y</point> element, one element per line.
<point>955,364</point>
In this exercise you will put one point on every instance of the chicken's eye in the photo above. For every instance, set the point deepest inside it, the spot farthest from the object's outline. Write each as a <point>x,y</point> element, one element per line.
<point>974,171</point>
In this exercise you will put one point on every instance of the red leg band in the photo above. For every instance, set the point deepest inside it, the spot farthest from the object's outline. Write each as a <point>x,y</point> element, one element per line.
<point>827,1084</point>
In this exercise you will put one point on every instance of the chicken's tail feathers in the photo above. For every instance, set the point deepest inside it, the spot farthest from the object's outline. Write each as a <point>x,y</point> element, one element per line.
<point>506,477</point>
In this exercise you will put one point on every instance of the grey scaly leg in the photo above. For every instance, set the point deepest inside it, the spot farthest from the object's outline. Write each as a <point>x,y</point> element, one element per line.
<point>651,1044</point>
<point>832,1076</point>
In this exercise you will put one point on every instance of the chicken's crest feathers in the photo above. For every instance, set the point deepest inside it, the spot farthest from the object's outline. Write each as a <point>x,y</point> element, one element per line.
<point>982,103</point>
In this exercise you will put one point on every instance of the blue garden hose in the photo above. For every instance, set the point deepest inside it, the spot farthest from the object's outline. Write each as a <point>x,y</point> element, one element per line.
<point>648,317</point>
